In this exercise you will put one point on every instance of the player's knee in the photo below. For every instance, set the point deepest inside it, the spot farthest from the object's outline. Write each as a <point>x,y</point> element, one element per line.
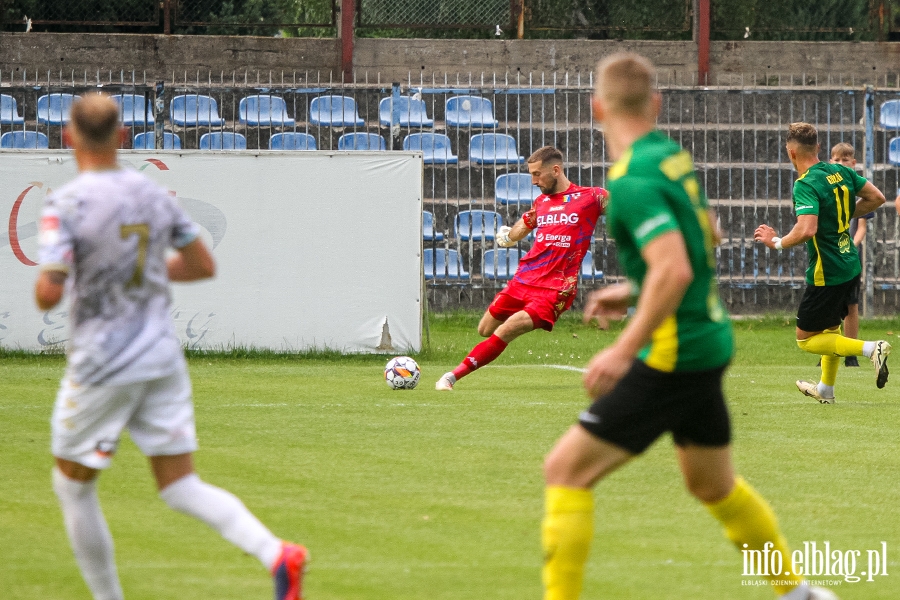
<point>556,468</point>
<point>485,330</point>
<point>802,344</point>
<point>707,490</point>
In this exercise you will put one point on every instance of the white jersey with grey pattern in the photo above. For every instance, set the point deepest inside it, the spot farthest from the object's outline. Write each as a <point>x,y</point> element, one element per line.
<point>110,230</point>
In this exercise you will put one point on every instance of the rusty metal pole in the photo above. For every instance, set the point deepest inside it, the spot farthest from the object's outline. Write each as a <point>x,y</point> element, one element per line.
<point>702,42</point>
<point>348,12</point>
<point>167,20</point>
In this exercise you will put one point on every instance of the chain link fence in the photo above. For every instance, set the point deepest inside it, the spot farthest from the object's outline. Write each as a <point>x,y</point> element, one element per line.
<point>80,12</point>
<point>443,13</point>
<point>255,13</point>
<point>671,17</point>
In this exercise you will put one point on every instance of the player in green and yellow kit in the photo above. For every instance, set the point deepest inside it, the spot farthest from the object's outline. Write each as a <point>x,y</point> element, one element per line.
<point>664,372</point>
<point>825,202</point>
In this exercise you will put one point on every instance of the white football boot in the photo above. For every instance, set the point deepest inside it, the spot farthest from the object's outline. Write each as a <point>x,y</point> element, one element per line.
<point>445,383</point>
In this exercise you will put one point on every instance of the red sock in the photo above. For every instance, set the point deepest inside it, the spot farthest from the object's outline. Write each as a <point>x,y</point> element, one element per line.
<point>480,355</point>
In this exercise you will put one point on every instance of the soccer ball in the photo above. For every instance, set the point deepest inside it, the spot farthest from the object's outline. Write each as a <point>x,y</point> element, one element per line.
<point>402,373</point>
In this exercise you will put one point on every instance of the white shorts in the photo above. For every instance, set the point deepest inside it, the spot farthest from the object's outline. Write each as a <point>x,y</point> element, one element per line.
<point>88,420</point>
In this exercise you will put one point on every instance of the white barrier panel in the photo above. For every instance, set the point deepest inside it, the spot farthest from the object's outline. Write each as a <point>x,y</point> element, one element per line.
<point>314,249</point>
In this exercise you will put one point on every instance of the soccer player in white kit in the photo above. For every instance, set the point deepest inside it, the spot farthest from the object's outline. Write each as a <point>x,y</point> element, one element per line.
<point>103,239</point>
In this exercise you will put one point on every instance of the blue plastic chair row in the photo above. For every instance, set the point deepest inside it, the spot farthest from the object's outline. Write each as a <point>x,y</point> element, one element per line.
<point>332,110</point>
<point>460,111</point>
<point>443,263</point>
<point>191,110</point>
<point>147,141</point>
<point>24,140</point>
<point>9,111</point>
<point>484,148</point>
<point>501,263</point>
<point>218,140</point>
<point>515,188</point>
<point>496,264</point>
<point>889,115</point>
<point>894,151</point>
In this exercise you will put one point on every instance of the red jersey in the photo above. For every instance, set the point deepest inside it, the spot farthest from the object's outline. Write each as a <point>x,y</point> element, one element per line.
<point>565,224</point>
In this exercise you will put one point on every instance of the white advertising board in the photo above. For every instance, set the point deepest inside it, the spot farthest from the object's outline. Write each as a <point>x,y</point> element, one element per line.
<point>313,249</point>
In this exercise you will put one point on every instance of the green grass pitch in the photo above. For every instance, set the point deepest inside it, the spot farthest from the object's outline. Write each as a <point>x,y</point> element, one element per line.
<point>417,494</point>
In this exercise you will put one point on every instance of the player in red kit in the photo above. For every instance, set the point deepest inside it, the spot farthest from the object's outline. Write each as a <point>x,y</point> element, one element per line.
<point>563,217</point>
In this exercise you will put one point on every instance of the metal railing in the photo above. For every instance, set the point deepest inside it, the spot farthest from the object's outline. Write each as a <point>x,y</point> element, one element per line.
<point>735,134</point>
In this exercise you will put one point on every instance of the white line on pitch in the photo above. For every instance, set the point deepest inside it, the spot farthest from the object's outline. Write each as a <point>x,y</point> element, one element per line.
<point>560,367</point>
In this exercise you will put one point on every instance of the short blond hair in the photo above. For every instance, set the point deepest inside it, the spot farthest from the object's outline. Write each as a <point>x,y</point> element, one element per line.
<point>626,82</point>
<point>95,122</point>
<point>843,150</point>
<point>805,136</point>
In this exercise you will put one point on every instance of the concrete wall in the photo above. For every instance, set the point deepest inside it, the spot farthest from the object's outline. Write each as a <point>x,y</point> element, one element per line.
<point>731,63</point>
<point>161,56</point>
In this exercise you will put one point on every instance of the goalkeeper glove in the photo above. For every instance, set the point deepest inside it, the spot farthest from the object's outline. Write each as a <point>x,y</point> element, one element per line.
<point>503,239</point>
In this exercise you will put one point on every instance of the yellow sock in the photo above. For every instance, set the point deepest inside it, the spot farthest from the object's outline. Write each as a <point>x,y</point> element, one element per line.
<point>566,537</point>
<point>830,369</point>
<point>829,343</point>
<point>750,523</point>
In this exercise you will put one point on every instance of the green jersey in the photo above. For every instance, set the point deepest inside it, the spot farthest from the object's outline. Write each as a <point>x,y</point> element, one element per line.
<point>653,190</point>
<point>829,191</point>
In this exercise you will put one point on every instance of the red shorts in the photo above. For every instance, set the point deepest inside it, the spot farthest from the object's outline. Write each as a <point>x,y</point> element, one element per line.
<point>543,305</point>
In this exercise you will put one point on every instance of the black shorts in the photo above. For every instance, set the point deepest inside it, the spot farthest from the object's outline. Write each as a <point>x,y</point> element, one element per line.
<point>825,306</point>
<point>647,403</point>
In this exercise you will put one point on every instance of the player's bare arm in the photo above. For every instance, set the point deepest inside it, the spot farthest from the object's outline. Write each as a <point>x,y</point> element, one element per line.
<point>191,263</point>
<point>803,231</point>
<point>48,290</point>
<point>870,198</point>
<point>610,302</point>
<point>860,234</point>
<point>669,274</point>
<point>509,236</point>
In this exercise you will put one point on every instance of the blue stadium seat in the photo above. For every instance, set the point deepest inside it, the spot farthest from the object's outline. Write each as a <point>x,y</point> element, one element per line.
<point>587,268</point>
<point>434,146</point>
<point>147,141</point>
<point>500,263</point>
<point>412,112</point>
<point>9,111</point>
<point>515,188</point>
<point>894,151</point>
<point>889,115</point>
<point>334,111</point>
<point>442,263</point>
<point>193,110</point>
<point>223,140</point>
<point>428,232</point>
<point>470,111</point>
<point>477,224</point>
<point>24,139</point>
<point>494,149</point>
<point>264,111</point>
<point>53,109</point>
<point>134,110</point>
<point>292,140</point>
<point>361,141</point>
